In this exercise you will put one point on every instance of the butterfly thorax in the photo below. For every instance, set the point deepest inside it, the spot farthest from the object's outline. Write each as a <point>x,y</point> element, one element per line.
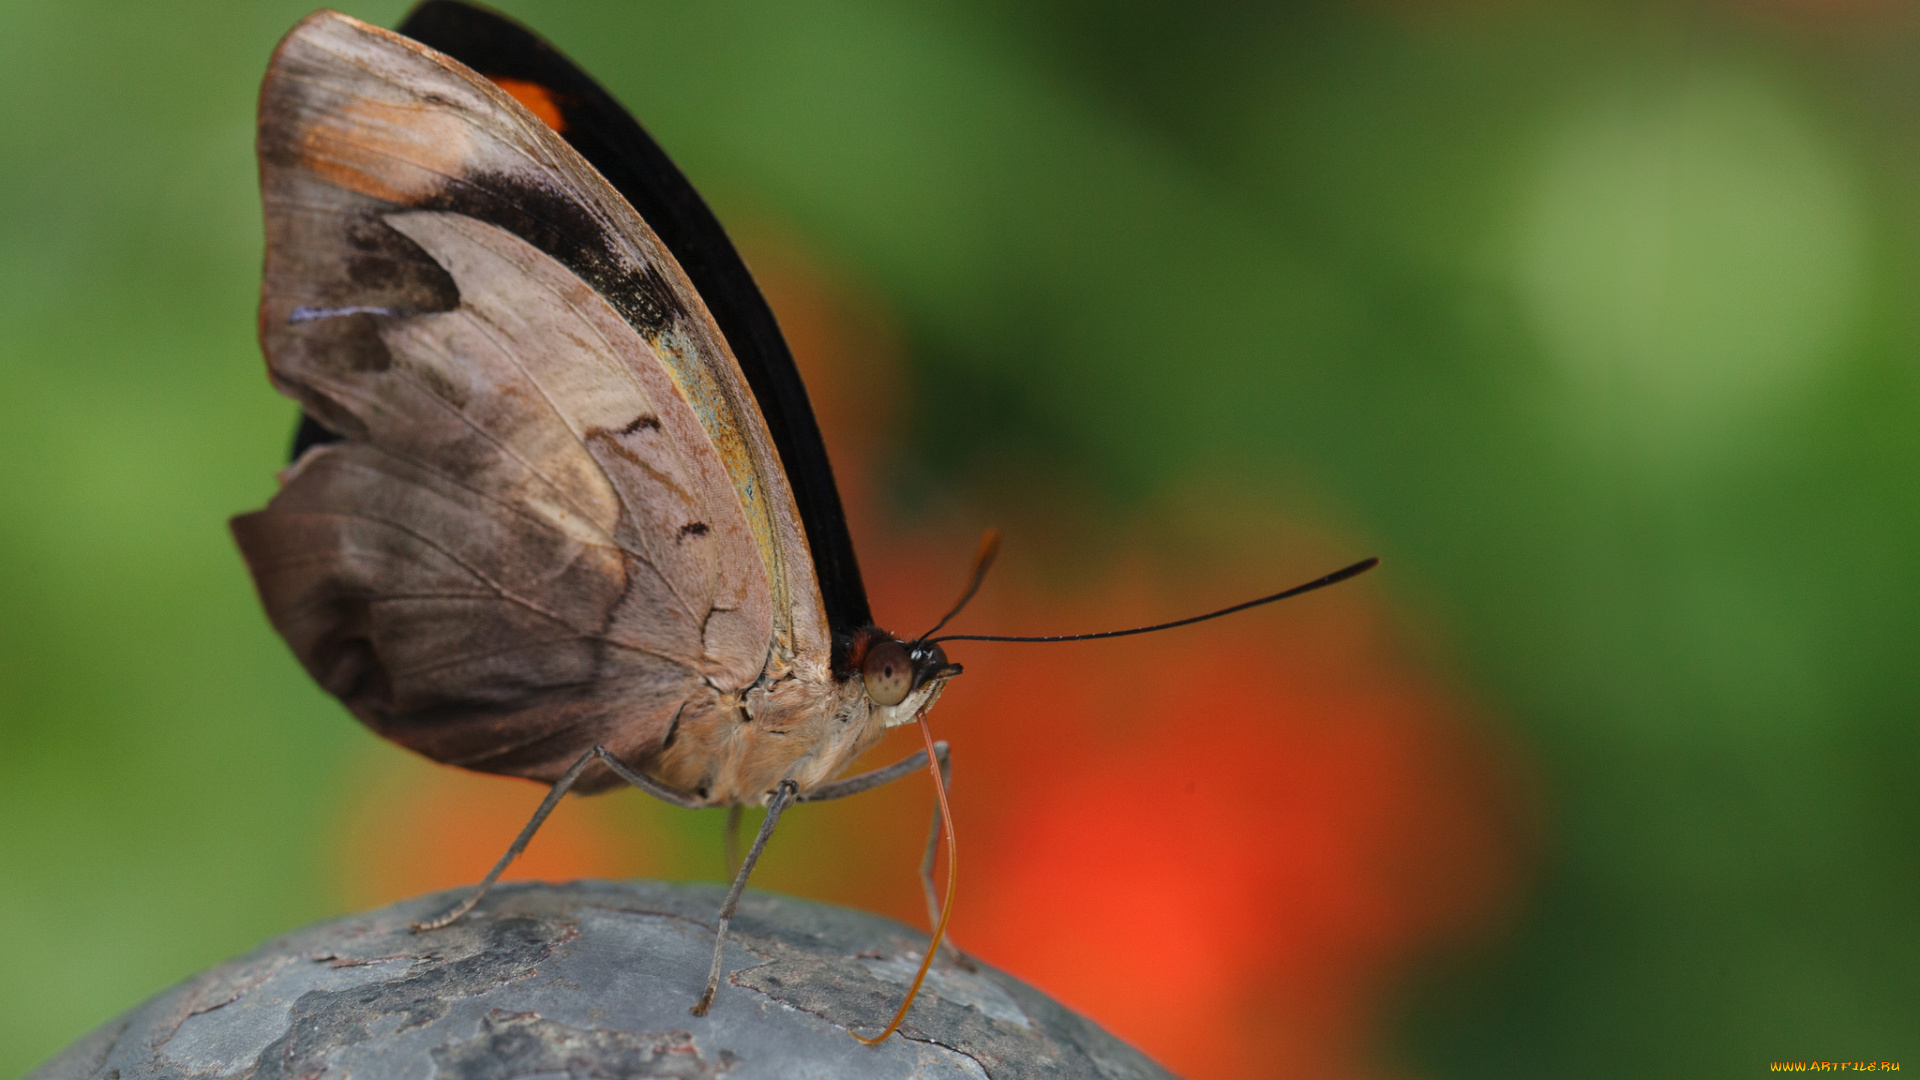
<point>731,749</point>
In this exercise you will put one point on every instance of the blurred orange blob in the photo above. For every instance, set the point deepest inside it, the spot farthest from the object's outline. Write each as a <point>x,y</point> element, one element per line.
<point>1234,883</point>
<point>1227,844</point>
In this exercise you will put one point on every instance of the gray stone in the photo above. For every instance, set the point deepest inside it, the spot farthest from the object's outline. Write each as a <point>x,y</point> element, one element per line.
<point>594,980</point>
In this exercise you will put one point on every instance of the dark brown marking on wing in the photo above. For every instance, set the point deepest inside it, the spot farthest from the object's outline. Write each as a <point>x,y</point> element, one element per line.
<point>381,270</point>
<point>345,662</point>
<point>436,383</point>
<point>651,423</point>
<point>387,269</point>
<point>693,528</point>
<point>599,436</point>
<point>563,228</point>
<point>351,343</point>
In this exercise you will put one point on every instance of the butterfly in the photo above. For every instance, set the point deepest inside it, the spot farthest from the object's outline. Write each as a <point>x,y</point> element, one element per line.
<point>558,506</point>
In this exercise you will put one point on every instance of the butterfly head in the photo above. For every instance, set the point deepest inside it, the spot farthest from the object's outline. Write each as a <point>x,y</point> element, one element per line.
<point>901,678</point>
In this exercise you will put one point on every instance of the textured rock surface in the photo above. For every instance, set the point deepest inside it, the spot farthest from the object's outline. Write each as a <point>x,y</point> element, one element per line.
<point>593,980</point>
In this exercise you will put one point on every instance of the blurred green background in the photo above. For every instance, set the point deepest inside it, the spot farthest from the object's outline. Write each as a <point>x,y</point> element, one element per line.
<point>1598,318</point>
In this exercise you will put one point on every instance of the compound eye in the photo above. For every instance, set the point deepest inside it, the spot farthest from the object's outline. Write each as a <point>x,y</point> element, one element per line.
<point>888,673</point>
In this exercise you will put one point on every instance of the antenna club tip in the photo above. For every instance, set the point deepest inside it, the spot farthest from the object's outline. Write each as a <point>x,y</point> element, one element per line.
<point>1355,570</point>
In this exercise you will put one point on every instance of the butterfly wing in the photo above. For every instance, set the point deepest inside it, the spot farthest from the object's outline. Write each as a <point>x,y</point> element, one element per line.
<point>556,516</point>
<point>604,133</point>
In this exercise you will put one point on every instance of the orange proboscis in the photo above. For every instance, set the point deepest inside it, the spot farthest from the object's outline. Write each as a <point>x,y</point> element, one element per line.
<point>946,905</point>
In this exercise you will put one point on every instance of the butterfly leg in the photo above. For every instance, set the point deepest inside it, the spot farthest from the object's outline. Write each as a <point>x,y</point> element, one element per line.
<point>933,848</point>
<point>783,797</point>
<point>645,783</point>
<point>854,785</point>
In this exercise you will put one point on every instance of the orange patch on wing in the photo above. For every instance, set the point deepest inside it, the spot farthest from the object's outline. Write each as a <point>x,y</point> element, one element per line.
<point>398,152</point>
<point>539,100</point>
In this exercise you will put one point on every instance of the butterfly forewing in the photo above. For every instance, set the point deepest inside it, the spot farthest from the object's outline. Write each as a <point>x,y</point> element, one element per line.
<point>609,138</point>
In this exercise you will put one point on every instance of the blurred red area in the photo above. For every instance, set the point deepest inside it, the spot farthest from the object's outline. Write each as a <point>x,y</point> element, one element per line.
<point>1226,844</point>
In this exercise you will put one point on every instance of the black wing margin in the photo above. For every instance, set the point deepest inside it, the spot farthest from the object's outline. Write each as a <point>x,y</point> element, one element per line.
<point>604,133</point>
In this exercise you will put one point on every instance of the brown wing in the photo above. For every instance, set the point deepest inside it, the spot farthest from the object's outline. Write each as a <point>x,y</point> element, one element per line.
<point>556,517</point>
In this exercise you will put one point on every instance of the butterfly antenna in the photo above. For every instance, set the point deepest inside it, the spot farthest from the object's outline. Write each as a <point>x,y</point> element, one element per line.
<point>983,557</point>
<point>953,860</point>
<point>1334,578</point>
